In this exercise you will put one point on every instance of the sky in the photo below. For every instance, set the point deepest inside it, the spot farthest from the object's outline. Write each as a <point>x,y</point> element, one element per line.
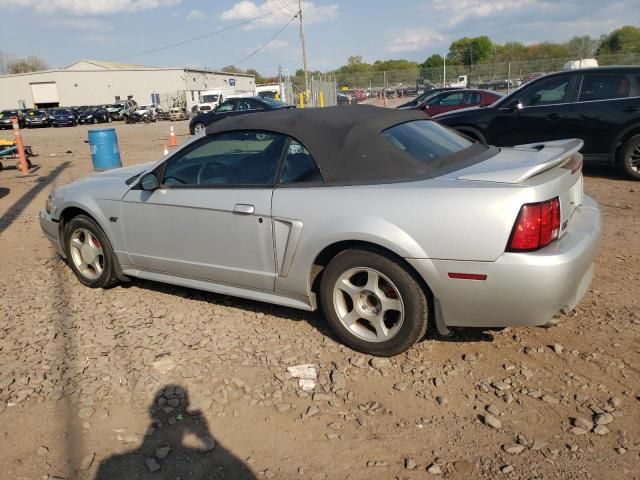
<point>63,31</point>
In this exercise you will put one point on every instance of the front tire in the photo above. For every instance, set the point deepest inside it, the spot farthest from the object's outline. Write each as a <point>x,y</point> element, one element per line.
<point>629,158</point>
<point>373,303</point>
<point>89,253</point>
<point>198,128</point>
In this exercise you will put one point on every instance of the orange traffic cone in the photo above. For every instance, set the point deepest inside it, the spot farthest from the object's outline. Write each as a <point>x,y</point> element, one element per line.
<point>166,150</point>
<point>172,137</point>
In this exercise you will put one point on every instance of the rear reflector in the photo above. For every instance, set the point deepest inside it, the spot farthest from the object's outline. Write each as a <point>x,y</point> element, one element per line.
<point>537,225</point>
<point>467,276</point>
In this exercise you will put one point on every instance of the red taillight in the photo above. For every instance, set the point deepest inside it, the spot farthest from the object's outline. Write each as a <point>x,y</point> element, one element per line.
<point>537,225</point>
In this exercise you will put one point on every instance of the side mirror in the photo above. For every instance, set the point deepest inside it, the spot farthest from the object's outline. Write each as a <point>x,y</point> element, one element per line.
<point>149,182</point>
<point>516,105</point>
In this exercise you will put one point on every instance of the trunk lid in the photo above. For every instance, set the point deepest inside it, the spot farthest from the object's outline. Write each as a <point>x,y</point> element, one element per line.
<point>514,165</point>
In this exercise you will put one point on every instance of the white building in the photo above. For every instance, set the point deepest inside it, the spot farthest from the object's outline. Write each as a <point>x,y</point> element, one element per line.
<point>96,82</point>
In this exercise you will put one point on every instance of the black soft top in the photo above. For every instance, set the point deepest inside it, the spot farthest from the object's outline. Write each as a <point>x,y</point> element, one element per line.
<point>346,142</point>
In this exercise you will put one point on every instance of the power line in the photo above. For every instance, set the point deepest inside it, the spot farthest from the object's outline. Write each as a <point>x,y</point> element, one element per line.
<point>264,45</point>
<point>194,39</point>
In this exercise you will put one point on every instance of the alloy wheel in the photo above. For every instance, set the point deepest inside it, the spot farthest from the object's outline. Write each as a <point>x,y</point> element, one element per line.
<point>86,253</point>
<point>368,304</point>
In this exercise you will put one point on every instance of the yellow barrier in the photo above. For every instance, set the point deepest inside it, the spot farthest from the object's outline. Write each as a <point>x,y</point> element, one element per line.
<point>302,100</point>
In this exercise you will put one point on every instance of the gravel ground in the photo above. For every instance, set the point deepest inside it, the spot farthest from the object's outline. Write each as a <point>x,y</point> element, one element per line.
<point>153,381</point>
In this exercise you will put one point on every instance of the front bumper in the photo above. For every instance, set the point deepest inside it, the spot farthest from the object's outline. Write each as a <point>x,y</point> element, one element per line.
<point>51,230</point>
<point>521,289</point>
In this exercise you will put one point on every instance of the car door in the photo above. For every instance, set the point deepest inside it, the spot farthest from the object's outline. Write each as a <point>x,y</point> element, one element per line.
<point>537,113</point>
<point>211,216</point>
<point>607,103</point>
<point>445,102</point>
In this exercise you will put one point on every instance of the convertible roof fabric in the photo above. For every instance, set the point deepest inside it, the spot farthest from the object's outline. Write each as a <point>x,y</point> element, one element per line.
<point>345,140</point>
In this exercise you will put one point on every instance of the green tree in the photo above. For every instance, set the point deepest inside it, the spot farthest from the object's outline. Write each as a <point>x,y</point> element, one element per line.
<point>582,47</point>
<point>622,40</point>
<point>470,51</point>
<point>232,69</point>
<point>434,61</point>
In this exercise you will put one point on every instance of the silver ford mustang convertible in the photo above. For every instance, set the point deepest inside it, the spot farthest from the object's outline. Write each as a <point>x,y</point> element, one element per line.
<point>384,219</point>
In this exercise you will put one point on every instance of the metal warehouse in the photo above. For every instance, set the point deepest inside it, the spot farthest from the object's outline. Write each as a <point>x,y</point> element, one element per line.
<point>93,82</point>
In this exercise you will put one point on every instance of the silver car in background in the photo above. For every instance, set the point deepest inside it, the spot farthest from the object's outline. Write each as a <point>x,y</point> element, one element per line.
<point>386,220</point>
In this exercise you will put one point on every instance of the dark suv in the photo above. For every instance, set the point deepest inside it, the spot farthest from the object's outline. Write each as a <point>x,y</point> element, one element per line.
<point>599,105</point>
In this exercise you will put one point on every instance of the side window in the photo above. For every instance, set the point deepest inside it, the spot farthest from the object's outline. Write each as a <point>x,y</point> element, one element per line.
<point>604,86</point>
<point>450,99</point>
<point>545,92</point>
<point>243,105</point>
<point>255,105</point>
<point>299,166</point>
<point>472,99</point>
<point>242,158</point>
<point>228,106</point>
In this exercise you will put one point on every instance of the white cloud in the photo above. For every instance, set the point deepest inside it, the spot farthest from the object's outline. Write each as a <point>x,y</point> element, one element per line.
<point>462,9</point>
<point>196,15</point>
<point>410,40</point>
<point>277,12</point>
<point>87,7</point>
<point>89,24</point>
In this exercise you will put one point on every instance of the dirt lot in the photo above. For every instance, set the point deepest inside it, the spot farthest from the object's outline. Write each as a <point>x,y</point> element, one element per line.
<point>94,384</point>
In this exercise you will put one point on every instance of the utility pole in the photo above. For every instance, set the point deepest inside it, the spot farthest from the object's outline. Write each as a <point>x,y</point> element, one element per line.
<point>304,50</point>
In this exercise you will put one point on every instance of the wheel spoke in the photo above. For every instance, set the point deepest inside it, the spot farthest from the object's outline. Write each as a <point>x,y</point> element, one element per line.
<point>349,288</point>
<point>75,242</point>
<point>382,332</point>
<point>97,267</point>
<point>350,318</point>
<point>390,304</point>
<point>373,283</point>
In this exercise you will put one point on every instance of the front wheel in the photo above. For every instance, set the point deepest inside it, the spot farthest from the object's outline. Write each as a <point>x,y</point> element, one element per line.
<point>629,158</point>
<point>373,303</point>
<point>89,253</point>
<point>199,128</point>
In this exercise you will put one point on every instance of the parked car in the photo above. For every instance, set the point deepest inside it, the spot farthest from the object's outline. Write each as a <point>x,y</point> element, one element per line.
<point>5,118</point>
<point>601,106</point>
<point>343,98</point>
<point>61,117</point>
<point>423,98</point>
<point>37,118</point>
<point>95,115</point>
<point>269,207</point>
<point>457,99</point>
<point>232,108</point>
<point>115,111</point>
<point>176,113</point>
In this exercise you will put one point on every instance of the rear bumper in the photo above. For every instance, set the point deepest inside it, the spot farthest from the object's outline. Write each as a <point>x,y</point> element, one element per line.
<point>51,231</point>
<point>521,289</point>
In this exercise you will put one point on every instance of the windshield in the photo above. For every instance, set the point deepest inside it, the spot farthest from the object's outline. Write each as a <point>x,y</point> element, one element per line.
<point>273,102</point>
<point>89,110</point>
<point>62,111</point>
<point>210,98</point>
<point>37,113</point>
<point>9,113</point>
<point>426,140</point>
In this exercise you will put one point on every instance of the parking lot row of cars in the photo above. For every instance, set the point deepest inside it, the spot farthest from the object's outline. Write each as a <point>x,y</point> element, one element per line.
<point>128,111</point>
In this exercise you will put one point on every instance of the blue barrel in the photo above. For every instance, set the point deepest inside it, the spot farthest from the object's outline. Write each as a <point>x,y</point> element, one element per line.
<point>105,153</point>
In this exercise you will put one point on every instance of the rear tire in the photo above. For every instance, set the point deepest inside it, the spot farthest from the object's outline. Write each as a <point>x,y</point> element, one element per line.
<point>629,158</point>
<point>373,303</point>
<point>89,253</point>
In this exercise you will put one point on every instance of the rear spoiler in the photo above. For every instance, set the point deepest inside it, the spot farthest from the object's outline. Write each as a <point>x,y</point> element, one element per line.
<point>544,156</point>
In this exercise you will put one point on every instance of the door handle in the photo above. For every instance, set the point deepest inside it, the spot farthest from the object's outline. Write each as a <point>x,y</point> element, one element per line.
<point>631,108</point>
<point>244,209</point>
<point>555,116</point>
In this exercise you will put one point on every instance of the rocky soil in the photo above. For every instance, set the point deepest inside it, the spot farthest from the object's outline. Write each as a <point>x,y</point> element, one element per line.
<point>152,381</point>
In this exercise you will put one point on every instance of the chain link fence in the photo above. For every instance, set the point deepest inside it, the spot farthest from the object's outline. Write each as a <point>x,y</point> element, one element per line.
<point>493,76</point>
<point>322,91</point>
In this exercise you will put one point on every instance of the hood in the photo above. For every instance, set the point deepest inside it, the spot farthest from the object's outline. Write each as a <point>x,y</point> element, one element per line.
<point>109,185</point>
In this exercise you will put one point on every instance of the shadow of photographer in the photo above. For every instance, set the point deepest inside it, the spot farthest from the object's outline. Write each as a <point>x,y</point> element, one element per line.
<point>177,445</point>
